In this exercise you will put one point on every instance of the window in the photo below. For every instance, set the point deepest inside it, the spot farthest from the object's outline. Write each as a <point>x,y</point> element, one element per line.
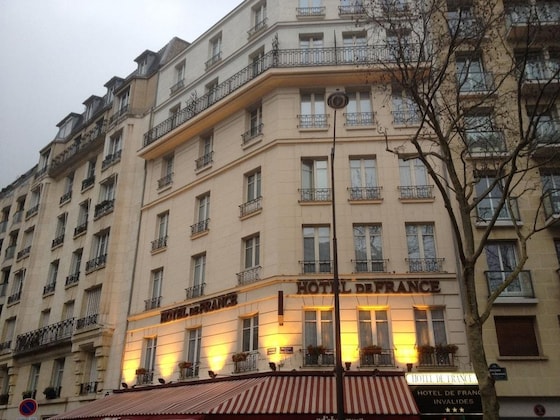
<point>99,251</point>
<point>551,192</point>
<point>34,202</point>
<point>124,102</point>
<point>90,309</point>
<point>310,8</point>
<point>203,214</point>
<point>546,125</point>
<point>113,149</point>
<point>489,191</point>
<point>462,23</point>
<point>314,180</point>
<point>414,179</point>
<point>405,110</point>
<point>194,339</point>
<point>33,378</point>
<point>106,197</point>
<point>312,48</point>
<point>44,318</point>
<point>253,198</point>
<point>58,372</point>
<point>27,241</point>
<point>470,75</point>
<point>251,260</point>
<point>83,215</point>
<point>312,111</point>
<point>421,246</point>
<point>259,18</point>
<point>179,77</point>
<point>206,152</point>
<point>368,248</point>
<point>166,171</point>
<point>316,249</point>
<point>257,61</point>
<point>60,230</point>
<point>75,264</point>
<point>51,279</point>
<point>67,194</point>
<point>255,124</point>
<point>481,133</point>
<point>17,287</point>
<point>215,51</point>
<point>89,179</point>
<point>89,385</point>
<point>150,347</point>
<point>358,110</point>
<point>363,178</point>
<point>373,330</point>
<point>516,335</point>
<point>431,338</point>
<point>318,331</point>
<point>155,299</point>
<point>355,47</point>
<point>501,258</point>
<point>8,333</point>
<point>43,162</point>
<point>5,275</point>
<point>161,233</point>
<point>250,334</point>
<point>198,276</point>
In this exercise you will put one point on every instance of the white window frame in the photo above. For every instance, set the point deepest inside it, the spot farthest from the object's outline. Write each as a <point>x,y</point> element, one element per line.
<point>250,333</point>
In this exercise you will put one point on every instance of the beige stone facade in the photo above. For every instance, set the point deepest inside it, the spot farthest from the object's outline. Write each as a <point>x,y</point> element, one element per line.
<point>208,248</point>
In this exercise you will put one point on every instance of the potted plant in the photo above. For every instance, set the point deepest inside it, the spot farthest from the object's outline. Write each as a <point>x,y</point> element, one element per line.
<point>4,398</point>
<point>27,394</point>
<point>184,365</point>
<point>426,349</point>
<point>373,349</point>
<point>447,348</point>
<point>315,350</point>
<point>50,393</point>
<point>239,357</point>
<point>141,371</point>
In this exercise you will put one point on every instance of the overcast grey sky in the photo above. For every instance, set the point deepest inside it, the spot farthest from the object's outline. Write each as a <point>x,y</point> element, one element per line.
<point>54,54</point>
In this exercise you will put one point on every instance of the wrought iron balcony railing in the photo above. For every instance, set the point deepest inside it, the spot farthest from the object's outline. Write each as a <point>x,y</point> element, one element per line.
<point>310,11</point>
<point>18,215</point>
<point>205,160</point>
<point>475,82</point>
<point>488,206</point>
<point>247,363</point>
<point>370,266</point>
<point>111,158</point>
<point>416,192</point>
<point>365,193</point>
<point>14,297</point>
<point>87,321</point>
<point>159,243</point>
<point>429,356</point>
<point>195,291</point>
<point>521,286</point>
<point>96,263</point>
<point>88,182</point>
<point>81,228</point>
<point>152,303</point>
<point>165,181</point>
<point>318,358</point>
<point>72,279</point>
<point>103,208</point>
<point>319,266</point>
<point>315,194</point>
<point>88,388</point>
<point>372,357</point>
<point>24,253</point>
<point>305,57</point>
<point>32,211</point>
<point>357,119</point>
<point>257,28</point>
<point>59,240</point>
<point>49,288</point>
<point>313,121</point>
<point>213,60</point>
<point>64,198</point>
<point>486,142</point>
<point>425,265</point>
<point>49,336</point>
<point>252,133</point>
<point>551,203</point>
<point>200,227</point>
<point>249,275</point>
<point>251,206</point>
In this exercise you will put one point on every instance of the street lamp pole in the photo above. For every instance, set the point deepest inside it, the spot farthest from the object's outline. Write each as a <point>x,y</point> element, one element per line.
<point>336,100</point>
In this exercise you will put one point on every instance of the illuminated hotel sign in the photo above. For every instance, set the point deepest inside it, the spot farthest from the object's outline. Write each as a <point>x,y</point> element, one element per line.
<point>316,287</point>
<point>204,306</point>
<point>444,378</point>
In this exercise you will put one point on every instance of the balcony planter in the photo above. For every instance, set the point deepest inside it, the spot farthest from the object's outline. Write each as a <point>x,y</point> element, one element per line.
<point>426,349</point>
<point>27,394</point>
<point>4,399</point>
<point>315,350</point>
<point>446,348</point>
<point>141,371</point>
<point>50,393</point>
<point>239,357</point>
<point>374,349</point>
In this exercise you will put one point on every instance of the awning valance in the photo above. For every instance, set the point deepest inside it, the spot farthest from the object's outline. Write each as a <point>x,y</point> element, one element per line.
<point>270,395</point>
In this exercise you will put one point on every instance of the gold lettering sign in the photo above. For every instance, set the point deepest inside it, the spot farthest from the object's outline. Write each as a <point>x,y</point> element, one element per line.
<point>208,305</point>
<point>316,287</point>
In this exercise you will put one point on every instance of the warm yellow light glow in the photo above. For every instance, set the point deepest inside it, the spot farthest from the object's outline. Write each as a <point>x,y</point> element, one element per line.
<point>217,357</point>
<point>167,365</point>
<point>405,351</point>
<point>349,347</point>
<point>129,371</point>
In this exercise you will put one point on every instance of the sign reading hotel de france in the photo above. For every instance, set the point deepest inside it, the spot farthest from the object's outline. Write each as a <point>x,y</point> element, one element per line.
<point>315,287</point>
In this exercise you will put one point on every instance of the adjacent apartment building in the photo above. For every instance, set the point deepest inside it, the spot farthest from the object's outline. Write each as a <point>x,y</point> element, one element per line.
<point>190,211</point>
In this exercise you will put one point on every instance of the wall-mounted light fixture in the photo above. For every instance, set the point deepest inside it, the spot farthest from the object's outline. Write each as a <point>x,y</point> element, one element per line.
<point>272,366</point>
<point>124,385</point>
<point>161,380</point>
<point>212,374</point>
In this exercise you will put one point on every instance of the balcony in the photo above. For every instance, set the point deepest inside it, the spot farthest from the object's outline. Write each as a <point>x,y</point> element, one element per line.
<point>87,388</point>
<point>359,119</point>
<point>425,265</point>
<point>159,243</point>
<point>59,240</point>
<point>250,207</point>
<point>24,253</point>
<point>49,289</point>
<point>406,118</point>
<point>249,275</point>
<point>10,251</point>
<point>351,10</point>
<point>438,356</point>
<point>310,12</point>
<point>103,208</point>
<point>370,266</point>
<point>204,161</point>
<point>88,182</point>
<point>72,279</point>
<point>475,83</point>
<point>381,55</point>
<point>312,121</point>
<point>87,321</point>
<point>111,159</point>
<point>81,228</point>
<point>485,142</point>
<point>195,291</point>
<point>152,303</point>
<point>200,227</point>
<point>375,356</point>
<point>540,75</point>
<point>465,27</point>
<point>547,138</point>
<point>520,287</point>
<point>5,346</point>
<point>32,211</point>
<point>96,263</point>
<point>177,86</point>
<point>318,356</point>
<point>245,362</point>
<point>319,266</point>
<point>188,371</point>
<point>18,215</point>
<point>416,192</point>
<point>144,376</point>
<point>65,198</point>
<point>216,58</point>
<point>487,207</point>
<point>252,133</point>
<point>165,181</point>
<point>365,193</point>
<point>314,194</point>
<point>50,336</point>
<point>551,204</point>
<point>537,22</point>
<point>257,28</point>
<point>14,298</point>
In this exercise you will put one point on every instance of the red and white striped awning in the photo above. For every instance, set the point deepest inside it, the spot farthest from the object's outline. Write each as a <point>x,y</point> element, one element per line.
<point>286,395</point>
